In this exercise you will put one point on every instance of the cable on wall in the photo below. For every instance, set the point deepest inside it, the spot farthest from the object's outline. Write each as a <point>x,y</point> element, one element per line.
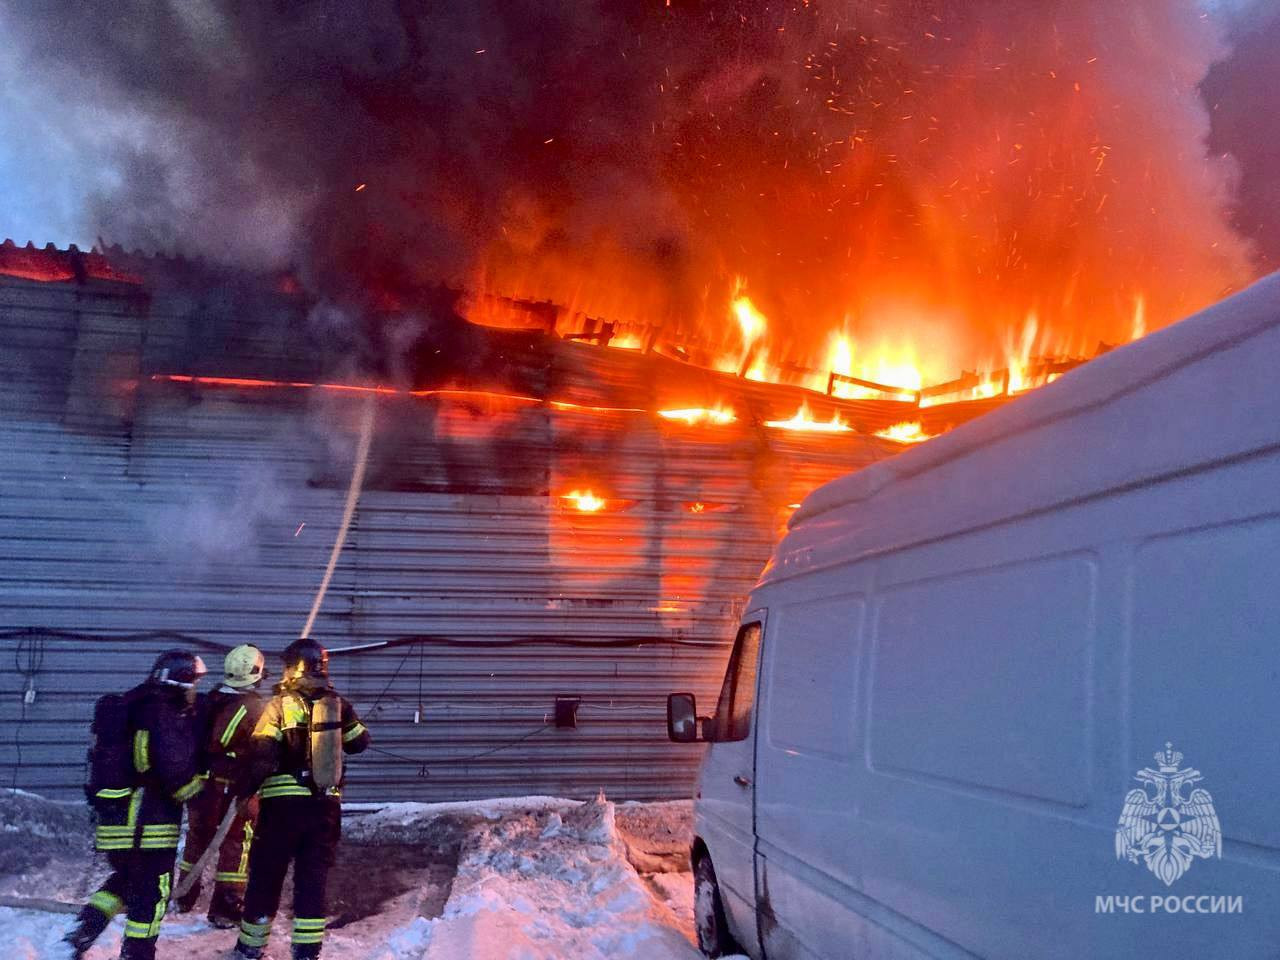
<point>28,658</point>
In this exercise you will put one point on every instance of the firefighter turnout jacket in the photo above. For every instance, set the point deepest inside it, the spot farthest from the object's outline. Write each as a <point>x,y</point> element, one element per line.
<point>138,825</point>
<point>301,818</point>
<point>282,749</point>
<point>148,816</point>
<point>233,714</point>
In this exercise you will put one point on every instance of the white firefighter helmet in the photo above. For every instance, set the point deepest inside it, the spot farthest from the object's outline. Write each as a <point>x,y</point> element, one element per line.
<point>244,666</point>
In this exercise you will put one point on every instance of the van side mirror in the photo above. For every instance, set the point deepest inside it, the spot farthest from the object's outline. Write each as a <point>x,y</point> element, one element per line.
<point>682,718</point>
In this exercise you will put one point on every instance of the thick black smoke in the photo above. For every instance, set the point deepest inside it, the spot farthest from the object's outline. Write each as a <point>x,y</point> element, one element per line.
<point>261,121</point>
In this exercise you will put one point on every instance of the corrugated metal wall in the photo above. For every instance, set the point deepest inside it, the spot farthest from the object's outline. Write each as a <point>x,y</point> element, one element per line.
<point>134,505</point>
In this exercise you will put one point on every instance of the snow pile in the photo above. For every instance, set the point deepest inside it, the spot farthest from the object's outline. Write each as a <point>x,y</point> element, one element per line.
<point>396,934</point>
<point>537,879</point>
<point>658,835</point>
<point>39,838</point>
<point>407,813</point>
<point>422,822</point>
<point>553,884</point>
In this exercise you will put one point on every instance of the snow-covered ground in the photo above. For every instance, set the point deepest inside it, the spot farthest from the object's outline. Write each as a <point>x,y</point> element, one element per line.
<point>537,878</point>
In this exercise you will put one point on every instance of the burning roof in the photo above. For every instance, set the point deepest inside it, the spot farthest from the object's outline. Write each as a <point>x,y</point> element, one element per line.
<point>1210,374</point>
<point>893,193</point>
<point>617,372</point>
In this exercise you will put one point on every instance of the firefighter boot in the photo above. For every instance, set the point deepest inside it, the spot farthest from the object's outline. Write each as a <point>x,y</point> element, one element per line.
<point>138,948</point>
<point>306,951</point>
<point>225,909</point>
<point>253,938</point>
<point>89,926</point>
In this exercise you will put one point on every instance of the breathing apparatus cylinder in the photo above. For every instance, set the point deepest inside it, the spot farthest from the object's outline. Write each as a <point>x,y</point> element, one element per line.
<point>326,741</point>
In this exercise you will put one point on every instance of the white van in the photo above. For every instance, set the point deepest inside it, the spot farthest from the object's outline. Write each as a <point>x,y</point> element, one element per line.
<point>1016,693</point>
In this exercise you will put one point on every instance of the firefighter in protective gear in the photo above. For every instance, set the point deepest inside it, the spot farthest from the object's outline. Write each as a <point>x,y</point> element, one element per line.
<point>138,826</point>
<point>297,751</point>
<point>233,712</point>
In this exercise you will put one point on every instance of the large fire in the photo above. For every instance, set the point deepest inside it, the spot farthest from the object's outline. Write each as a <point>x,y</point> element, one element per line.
<point>927,202</point>
<point>1030,355</point>
<point>915,195</point>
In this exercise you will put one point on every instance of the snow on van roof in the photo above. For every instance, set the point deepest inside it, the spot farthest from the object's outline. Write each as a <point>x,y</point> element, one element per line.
<point>1199,391</point>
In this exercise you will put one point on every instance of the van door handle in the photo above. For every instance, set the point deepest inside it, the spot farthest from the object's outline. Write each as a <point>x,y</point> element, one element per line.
<point>741,781</point>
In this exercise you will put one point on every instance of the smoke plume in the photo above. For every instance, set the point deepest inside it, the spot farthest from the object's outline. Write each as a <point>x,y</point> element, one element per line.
<point>1240,92</point>
<point>928,172</point>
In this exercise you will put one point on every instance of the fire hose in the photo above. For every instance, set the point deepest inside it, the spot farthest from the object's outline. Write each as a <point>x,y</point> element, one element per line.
<point>348,511</point>
<point>193,875</point>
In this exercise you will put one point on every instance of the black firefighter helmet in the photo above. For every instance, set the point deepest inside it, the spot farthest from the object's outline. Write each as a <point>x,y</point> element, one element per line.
<point>177,671</point>
<point>305,659</point>
<point>177,668</point>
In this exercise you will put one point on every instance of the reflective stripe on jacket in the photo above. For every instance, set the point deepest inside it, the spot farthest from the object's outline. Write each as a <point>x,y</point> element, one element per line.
<point>234,715</point>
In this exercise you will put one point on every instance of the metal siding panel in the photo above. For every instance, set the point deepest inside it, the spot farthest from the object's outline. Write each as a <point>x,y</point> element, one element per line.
<point>128,507</point>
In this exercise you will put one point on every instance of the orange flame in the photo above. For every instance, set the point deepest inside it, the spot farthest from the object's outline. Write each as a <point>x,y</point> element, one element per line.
<point>803,421</point>
<point>840,354</point>
<point>1139,318</point>
<point>1018,355</point>
<point>751,321</point>
<point>886,365</point>
<point>989,386</point>
<point>584,500</point>
<point>909,431</point>
<point>752,324</point>
<point>697,415</point>
<point>628,341</point>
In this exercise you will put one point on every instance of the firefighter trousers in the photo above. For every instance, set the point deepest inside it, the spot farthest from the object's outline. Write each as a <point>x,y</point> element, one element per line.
<point>138,885</point>
<point>303,831</point>
<point>204,815</point>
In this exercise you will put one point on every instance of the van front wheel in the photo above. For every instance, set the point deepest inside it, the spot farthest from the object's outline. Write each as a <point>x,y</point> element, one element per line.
<point>714,938</point>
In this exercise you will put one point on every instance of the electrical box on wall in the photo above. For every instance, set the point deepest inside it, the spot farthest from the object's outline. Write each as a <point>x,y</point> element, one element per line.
<point>567,712</point>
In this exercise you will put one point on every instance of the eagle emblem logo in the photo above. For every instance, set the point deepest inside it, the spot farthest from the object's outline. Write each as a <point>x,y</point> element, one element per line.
<point>1163,826</point>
